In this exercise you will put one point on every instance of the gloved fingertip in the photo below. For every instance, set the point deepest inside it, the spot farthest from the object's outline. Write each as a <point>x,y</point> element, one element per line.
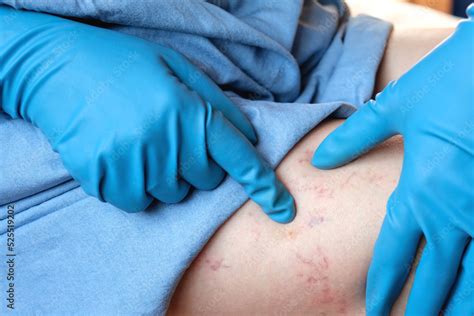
<point>323,159</point>
<point>287,213</point>
<point>320,161</point>
<point>470,11</point>
<point>284,217</point>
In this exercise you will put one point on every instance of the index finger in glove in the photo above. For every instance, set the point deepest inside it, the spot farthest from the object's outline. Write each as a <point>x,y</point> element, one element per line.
<point>237,156</point>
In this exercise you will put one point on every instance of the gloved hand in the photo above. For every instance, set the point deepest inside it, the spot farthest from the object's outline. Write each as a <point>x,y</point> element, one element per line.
<point>130,119</point>
<point>432,106</point>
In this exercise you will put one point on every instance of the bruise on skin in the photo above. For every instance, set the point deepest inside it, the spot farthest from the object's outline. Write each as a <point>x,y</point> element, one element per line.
<point>315,220</point>
<point>310,222</point>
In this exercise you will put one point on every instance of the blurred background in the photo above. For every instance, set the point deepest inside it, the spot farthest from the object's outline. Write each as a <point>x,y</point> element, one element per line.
<point>455,7</point>
<point>390,8</point>
<point>418,25</point>
<point>420,14</point>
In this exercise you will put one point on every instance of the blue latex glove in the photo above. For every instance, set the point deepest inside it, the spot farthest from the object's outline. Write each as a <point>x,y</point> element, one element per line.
<point>432,106</point>
<point>131,120</point>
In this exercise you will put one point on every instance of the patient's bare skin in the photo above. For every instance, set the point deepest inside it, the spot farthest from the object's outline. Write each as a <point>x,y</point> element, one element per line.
<point>317,264</point>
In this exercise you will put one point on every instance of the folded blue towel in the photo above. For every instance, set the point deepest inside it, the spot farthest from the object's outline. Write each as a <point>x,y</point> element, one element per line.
<point>287,64</point>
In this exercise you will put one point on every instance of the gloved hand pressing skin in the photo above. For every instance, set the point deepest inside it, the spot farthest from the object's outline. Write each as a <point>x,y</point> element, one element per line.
<point>131,120</point>
<point>432,106</point>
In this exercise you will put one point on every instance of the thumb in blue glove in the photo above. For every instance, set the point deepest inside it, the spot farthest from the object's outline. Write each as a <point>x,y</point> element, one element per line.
<point>432,106</point>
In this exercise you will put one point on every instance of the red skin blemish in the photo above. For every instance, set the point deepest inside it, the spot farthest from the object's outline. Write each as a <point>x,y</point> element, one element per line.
<point>348,179</point>
<point>327,296</point>
<point>322,264</point>
<point>317,283</point>
<point>215,265</point>
<point>323,192</point>
<point>304,260</point>
<point>342,310</point>
<point>307,156</point>
<point>320,190</point>
<point>375,178</point>
<point>312,280</point>
<point>291,234</point>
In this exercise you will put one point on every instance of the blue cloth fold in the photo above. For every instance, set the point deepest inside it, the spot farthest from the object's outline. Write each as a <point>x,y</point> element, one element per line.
<point>287,64</point>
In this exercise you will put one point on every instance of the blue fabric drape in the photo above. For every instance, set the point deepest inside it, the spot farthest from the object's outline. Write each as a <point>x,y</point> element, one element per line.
<point>287,64</point>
